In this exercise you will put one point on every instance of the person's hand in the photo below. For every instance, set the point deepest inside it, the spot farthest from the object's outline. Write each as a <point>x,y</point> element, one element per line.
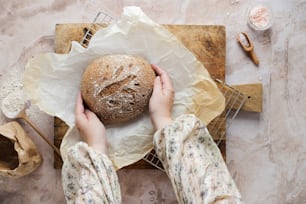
<point>161,101</point>
<point>90,127</point>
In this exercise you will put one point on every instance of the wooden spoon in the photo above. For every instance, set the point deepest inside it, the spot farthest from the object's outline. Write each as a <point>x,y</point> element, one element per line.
<point>22,115</point>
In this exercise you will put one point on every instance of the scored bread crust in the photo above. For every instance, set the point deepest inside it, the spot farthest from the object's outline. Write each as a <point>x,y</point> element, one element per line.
<point>117,87</point>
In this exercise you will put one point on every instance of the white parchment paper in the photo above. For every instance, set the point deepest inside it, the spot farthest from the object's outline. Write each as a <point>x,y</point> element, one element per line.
<point>52,81</point>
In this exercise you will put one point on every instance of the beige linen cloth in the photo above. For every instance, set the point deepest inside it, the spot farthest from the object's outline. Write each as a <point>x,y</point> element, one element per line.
<point>52,81</point>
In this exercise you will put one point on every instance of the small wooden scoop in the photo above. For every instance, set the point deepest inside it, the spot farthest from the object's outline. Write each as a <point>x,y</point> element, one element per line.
<point>247,46</point>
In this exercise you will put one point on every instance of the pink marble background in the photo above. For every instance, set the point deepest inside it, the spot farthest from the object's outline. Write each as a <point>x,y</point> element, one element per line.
<point>266,152</point>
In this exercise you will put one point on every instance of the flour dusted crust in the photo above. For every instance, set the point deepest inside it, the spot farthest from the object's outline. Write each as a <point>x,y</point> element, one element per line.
<point>117,87</point>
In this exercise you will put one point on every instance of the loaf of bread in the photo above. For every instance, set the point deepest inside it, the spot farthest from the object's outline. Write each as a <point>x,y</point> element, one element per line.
<point>117,87</point>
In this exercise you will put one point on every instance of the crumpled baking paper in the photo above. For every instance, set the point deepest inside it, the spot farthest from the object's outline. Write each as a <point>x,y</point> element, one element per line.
<point>52,81</point>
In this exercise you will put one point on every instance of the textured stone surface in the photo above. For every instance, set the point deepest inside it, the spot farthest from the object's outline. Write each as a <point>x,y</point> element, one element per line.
<point>266,152</point>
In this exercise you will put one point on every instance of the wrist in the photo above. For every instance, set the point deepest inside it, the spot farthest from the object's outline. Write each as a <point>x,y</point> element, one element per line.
<point>101,148</point>
<point>162,122</point>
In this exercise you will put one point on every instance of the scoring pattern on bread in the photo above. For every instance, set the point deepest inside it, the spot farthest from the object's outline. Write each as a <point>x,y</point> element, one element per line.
<point>117,87</point>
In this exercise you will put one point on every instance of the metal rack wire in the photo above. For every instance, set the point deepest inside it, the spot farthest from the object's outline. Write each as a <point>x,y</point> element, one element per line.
<point>234,101</point>
<point>103,19</point>
<point>233,98</point>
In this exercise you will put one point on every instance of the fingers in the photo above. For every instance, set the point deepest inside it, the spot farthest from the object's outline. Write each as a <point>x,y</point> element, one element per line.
<point>90,115</point>
<point>79,107</point>
<point>157,84</point>
<point>164,77</point>
<point>157,88</point>
<point>158,70</point>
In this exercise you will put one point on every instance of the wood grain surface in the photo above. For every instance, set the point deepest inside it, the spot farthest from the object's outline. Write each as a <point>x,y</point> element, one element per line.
<point>206,42</point>
<point>254,94</point>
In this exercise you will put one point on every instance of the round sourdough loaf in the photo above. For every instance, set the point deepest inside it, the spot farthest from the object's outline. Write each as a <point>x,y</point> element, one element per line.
<point>117,88</point>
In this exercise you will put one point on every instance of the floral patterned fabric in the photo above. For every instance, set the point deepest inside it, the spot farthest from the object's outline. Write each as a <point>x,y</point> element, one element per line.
<point>89,177</point>
<point>191,159</point>
<point>194,163</point>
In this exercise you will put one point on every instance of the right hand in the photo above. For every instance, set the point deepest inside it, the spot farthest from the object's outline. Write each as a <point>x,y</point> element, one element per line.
<point>91,129</point>
<point>161,101</point>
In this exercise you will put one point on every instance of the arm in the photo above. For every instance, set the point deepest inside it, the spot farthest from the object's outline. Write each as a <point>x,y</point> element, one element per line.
<point>194,163</point>
<point>189,155</point>
<point>88,176</point>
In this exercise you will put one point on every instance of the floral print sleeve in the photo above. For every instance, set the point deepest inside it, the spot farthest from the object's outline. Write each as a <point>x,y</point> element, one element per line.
<point>194,163</point>
<point>89,177</point>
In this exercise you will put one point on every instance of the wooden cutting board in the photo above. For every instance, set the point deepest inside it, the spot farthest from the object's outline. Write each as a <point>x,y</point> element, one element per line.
<point>206,42</point>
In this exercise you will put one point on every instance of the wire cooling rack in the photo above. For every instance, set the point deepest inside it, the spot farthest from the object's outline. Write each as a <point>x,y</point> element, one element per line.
<point>234,99</point>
